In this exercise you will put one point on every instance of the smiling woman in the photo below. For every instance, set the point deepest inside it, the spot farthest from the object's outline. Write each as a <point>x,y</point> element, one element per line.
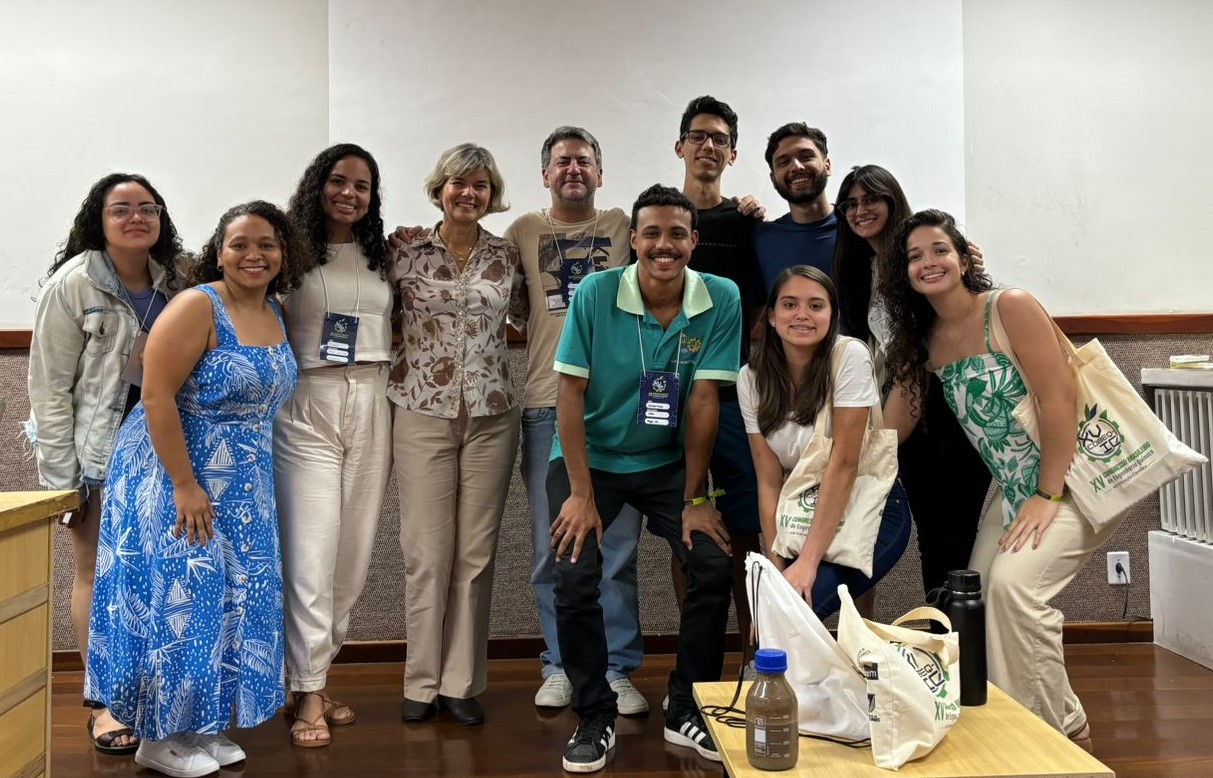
<point>455,432</point>
<point>188,546</point>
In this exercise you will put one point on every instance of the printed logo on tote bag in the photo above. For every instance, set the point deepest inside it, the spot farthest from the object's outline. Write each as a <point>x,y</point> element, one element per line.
<point>933,673</point>
<point>1098,435</point>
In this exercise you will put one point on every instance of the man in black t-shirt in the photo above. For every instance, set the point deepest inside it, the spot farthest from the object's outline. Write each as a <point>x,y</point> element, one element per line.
<point>707,144</point>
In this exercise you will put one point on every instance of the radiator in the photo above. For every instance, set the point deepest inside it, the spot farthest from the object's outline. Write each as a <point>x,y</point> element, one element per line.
<point>1184,402</point>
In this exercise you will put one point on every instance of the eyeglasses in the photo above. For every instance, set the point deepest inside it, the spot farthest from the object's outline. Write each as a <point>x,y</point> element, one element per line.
<point>147,211</point>
<point>719,139</point>
<point>850,204</point>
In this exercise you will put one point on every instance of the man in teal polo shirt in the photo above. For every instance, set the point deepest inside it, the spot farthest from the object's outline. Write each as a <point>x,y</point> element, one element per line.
<point>640,358</point>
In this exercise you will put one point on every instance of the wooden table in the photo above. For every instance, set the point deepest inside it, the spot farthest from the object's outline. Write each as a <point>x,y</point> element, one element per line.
<point>25,628</point>
<point>1000,739</point>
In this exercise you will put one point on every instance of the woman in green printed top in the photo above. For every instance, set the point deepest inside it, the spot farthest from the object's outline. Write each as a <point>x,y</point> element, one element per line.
<point>1033,540</point>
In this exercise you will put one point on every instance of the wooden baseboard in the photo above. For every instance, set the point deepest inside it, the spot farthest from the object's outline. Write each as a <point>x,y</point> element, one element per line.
<point>368,651</point>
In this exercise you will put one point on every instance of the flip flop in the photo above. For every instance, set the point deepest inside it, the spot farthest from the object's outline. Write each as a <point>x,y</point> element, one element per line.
<point>104,743</point>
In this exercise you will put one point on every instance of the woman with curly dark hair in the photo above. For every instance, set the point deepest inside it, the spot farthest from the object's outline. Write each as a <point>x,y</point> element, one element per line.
<point>106,287</point>
<point>1032,541</point>
<point>333,438</point>
<point>872,204</point>
<point>187,611</point>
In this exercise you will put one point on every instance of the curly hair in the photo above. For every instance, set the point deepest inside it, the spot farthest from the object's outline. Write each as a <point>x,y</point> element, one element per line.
<point>88,233</point>
<point>910,313</point>
<point>853,254</point>
<point>772,378</point>
<point>306,208</point>
<point>296,261</point>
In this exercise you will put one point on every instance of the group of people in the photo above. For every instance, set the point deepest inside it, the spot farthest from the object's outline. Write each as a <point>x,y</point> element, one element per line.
<point>232,418</point>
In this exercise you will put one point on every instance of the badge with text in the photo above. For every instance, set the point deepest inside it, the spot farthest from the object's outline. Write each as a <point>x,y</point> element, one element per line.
<point>133,372</point>
<point>658,399</point>
<point>338,337</point>
<point>572,273</point>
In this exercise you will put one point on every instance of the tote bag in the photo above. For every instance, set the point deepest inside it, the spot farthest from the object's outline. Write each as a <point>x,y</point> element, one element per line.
<point>1123,452</point>
<point>913,680</point>
<point>830,693</point>
<point>854,542</point>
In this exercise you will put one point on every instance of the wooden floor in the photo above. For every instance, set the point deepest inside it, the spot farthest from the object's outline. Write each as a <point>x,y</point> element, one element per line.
<point>1151,716</point>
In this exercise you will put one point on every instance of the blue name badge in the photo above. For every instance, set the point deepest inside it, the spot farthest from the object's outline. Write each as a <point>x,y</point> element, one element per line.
<point>658,399</point>
<point>572,273</point>
<point>338,338</point>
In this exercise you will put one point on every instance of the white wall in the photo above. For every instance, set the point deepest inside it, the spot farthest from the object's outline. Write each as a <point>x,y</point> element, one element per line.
<point>409,80</point>
<point>216,103</point>
<point>1087,131</point>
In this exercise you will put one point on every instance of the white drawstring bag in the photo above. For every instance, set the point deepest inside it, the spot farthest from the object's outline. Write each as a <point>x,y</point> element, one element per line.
<point>1123,452</point>
<point>830,692</point>
<point>913,680</point>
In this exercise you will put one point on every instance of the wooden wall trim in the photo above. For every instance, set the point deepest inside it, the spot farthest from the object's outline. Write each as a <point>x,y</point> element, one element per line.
<point>364,651</point>
<point>1154,324</point>
<point>1149,324</point>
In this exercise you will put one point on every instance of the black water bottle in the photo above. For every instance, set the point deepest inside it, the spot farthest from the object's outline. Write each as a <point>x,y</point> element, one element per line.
<point>967,612</point>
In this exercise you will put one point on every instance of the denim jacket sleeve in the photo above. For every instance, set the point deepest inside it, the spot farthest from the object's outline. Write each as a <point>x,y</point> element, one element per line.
<point>54,356</point>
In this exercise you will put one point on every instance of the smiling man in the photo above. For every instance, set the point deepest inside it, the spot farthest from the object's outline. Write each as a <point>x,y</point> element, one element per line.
<point>642,353</point>
<point>799,160</point>
<point>559,247</point>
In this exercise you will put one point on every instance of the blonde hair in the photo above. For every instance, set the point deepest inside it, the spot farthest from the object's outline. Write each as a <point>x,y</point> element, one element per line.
<point>460,161</point>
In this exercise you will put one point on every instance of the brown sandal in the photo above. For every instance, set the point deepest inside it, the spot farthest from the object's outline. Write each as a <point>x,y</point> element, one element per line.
<point>336,713</point>
<point>316,725</point>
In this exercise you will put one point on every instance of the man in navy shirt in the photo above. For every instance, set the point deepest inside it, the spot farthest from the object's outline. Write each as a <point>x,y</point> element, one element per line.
<point>798,157</point>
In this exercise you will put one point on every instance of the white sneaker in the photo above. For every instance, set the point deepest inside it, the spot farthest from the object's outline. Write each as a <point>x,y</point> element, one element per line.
<point>631,702</point>
<point>176,756</point>
<point>556,692</point>
<point>220,748</point>
<point>665,704</point>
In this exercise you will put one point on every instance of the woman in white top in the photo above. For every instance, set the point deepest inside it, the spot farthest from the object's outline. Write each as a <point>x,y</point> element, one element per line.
<point>790,377</point>
<point>332,440</point>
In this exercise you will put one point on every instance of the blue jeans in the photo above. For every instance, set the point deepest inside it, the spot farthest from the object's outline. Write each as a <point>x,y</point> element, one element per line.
<point>620,595</point>
<point>891,543</point>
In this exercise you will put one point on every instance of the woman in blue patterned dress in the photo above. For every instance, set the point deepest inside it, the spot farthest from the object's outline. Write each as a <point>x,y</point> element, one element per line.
<point>186,627</point>
<point>1032,541</point>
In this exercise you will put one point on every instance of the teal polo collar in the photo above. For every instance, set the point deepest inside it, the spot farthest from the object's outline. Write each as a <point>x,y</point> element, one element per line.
<point>695,295</point>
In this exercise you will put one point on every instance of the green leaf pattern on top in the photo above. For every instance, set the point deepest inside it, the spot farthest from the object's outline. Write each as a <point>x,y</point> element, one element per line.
<point>982,391</point>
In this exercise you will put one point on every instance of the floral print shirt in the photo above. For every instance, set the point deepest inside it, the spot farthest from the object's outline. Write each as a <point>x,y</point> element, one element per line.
<point>453,349</point>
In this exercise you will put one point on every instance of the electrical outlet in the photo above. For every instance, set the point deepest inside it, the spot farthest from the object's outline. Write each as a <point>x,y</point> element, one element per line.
<point>1114,577</point>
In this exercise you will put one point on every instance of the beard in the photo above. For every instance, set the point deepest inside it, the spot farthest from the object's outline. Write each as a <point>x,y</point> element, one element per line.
<point>808,196</point>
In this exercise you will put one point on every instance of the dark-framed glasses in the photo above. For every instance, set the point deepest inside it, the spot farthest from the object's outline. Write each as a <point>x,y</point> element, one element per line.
<point>850,204</point>
<point>147,211</point>
<point>720,140</point>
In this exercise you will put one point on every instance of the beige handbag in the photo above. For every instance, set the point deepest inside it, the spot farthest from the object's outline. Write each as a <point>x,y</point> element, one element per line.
<point>1123,452</point>
<point>854,542</point>
<point>913,680</point>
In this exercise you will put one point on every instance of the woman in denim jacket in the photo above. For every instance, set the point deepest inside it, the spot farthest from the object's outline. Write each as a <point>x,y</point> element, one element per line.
<point>113,276</point>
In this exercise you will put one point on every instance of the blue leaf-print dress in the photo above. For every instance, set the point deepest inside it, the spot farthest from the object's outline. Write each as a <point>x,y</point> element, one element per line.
<point>182,636</point>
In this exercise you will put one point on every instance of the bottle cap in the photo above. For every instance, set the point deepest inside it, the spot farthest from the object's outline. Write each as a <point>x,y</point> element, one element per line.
<point>770,660</point>
<point>964,582</point>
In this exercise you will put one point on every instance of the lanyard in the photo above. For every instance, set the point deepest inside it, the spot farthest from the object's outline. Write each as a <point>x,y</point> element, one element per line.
<point>357,282</point>
<point>556,241</point>
<point>677,352</point>
<point>126,295</point>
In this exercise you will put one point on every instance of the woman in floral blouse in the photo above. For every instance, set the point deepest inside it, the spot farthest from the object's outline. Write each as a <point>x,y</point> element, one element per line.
<point>455,433</point>
<point>1033,540</point>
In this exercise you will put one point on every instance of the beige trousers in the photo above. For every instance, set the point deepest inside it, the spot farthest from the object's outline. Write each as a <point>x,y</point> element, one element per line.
<point>1023,631</point>
<point>332,460</point>
<point>453,476</point>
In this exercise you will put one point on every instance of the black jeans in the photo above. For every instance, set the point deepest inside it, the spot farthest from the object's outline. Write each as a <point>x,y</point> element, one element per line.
<point>657,494</point>
<point>946,483</point>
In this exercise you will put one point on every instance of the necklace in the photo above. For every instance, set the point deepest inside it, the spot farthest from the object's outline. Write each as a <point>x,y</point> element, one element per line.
<point>953,334</point>
<point>460,255</point>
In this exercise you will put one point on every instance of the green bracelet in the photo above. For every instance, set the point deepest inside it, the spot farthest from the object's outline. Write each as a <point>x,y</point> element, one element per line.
<point>1050,497</point>
<point>689,501</point>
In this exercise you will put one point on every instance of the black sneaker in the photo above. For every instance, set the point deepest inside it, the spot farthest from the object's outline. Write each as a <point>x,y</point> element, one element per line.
<point>587,749</point>
<point>690,731</point>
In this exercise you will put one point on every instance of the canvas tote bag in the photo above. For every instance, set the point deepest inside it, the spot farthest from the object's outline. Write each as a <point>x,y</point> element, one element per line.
<point>913,680</point>
<point>1123,452</point>
<point>854,542</point>
<point>830,693</point>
